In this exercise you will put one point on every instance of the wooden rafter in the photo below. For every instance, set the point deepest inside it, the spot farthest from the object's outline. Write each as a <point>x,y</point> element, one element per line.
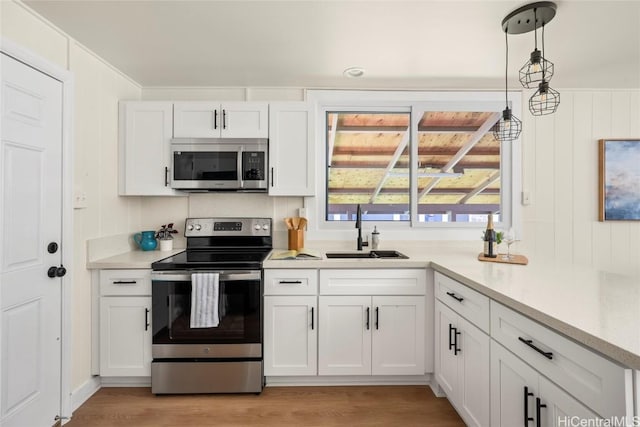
<point>332,138</point>
<point>473,140</point>
<point>493,177</point>
<point>396,156</point>
<point>422,151</point>
<point>379,164</point>
<point>402,190</point>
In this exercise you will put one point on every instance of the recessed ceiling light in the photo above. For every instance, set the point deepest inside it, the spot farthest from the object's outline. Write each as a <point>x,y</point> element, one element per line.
<point>354,72</point>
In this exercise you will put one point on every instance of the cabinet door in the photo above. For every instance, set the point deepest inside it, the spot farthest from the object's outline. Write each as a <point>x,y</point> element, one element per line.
<point>345,335</point>
<point>291,149</point>
<point>509,377</point>
<point>245,120</point>
<point>398,335</point>
<point>290,335</point>
<point>561,408</point>
<point>446,363</point>
<point>144,152</point>
<point>473,374</point>
<point>125,336</point>
<point>197,119</point>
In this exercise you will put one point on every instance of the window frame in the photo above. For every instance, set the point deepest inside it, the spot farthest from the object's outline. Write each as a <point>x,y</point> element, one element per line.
<point>416,103</point>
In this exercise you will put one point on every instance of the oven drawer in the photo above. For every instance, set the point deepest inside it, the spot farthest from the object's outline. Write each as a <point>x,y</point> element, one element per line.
<point>125,282</point>
<point>206,377</point>
<point>291,282</point>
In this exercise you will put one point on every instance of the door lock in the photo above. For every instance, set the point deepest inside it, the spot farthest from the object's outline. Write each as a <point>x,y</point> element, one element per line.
<point>52,247</point>
<point>56,271</point>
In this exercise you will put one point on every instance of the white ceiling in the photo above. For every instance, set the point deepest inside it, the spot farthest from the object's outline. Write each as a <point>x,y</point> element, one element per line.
<point>401,44</point>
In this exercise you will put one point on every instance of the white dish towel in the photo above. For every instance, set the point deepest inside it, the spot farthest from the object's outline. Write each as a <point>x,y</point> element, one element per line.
<point>204,300</point>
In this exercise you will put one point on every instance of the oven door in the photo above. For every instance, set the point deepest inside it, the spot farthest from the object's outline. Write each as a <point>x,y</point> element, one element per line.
<point>206,167</point>
<point>239,330</point>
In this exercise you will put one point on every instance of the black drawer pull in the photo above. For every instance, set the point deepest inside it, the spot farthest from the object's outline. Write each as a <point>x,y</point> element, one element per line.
<point>166,176</point>
<point>377,318</point>
<point>451,343</point>
<point>215,119</point>
<point>456,350</point>
<point>455,297</point>
<point>125,282</point>
<point>146,319</point>
<point>527,418</point>
<point>538,406</point>
<point>529,343</point>
<point>290,282</point>
<point>368,318</point>
<point>312,325</point>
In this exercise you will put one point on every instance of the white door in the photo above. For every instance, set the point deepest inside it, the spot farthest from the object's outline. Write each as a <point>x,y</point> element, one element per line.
<point>290,335</point>
<point>473,374</point>
<point>30,219</point>
<point>446,363</point>
<point>197,119</point>
<point>398,335</point>
<point>509,377</point>
<point>245,120</point>
<point>561,409</point>
<point>345,335</point>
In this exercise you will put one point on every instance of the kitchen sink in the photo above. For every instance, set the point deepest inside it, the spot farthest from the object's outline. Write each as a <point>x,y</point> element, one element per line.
<point>370,254</point>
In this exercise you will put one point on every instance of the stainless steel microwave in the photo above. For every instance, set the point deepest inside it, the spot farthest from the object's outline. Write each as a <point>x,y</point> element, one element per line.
<point>208,164</point>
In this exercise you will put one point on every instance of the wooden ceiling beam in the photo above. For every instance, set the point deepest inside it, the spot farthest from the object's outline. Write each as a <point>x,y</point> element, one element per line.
<point>392,163</point>
<point>332,138</point>
<point>395,190</point>
<point>473,140</point>
<point>482,188</point>
<point>425,209</point>
<point>378,128</point>
<point>422,151</point>
<point>380,164</point>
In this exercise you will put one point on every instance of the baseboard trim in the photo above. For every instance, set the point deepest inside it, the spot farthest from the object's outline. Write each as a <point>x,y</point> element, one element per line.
<point>347,380</point>
<point>84,392</point>
<point>126,381</point>
<point>435,387</point>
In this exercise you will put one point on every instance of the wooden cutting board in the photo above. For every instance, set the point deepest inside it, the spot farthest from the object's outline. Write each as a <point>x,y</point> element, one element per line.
<point>515,259</point>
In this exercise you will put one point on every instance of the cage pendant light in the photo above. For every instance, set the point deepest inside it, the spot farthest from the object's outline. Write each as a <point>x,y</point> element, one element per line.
<point>545,100</point>
<point>508,128</point>
<point>537,67</point>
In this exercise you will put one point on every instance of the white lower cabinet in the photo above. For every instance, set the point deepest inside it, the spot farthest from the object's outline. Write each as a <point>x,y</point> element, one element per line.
<point>290,335</point>
<point>521,396</point>
<point>371,335</point>
<point>125,336</point>
<point>462,365</point>
<point>125,323</point>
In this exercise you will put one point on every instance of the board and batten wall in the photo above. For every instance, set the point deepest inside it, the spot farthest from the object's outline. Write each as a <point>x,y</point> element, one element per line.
<point>560,172</point>
<point>98,87</point>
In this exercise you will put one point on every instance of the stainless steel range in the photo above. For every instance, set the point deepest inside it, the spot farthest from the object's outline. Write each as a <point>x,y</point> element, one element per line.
<point>207,309</point>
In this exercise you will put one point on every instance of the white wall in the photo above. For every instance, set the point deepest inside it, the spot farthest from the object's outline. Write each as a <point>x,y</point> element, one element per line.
<point>560,170</point>
<point>98,87</point>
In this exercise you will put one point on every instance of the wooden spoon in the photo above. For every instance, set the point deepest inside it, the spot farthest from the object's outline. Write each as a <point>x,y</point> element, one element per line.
<point>289,223</point>
<point>296,223</point>
<point>302,224</point>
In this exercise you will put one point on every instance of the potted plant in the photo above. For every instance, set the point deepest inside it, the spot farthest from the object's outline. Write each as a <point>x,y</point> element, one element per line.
<point>165,237</point>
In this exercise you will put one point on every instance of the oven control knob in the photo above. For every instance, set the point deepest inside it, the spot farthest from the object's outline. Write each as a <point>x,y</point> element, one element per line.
<point>257,226</point>
<point>198,227</point>
<point>265,227</point>
<point>189,227</point>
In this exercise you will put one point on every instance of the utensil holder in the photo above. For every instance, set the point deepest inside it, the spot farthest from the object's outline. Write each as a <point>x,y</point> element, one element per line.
<point>296,239</point>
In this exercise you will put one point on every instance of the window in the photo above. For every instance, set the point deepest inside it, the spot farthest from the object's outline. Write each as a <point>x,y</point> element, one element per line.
<point>413,160</point>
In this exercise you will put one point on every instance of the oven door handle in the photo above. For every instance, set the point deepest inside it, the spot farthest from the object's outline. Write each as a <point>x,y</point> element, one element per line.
<point>186,277</point>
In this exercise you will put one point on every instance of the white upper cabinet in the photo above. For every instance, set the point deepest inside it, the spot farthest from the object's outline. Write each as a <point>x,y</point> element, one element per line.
<point>212,119</point>
<point>291,149</point>
<point>144,148</point>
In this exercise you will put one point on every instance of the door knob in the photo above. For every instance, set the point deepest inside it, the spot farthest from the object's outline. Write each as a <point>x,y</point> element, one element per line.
<point>56,271</point>
<point>52,247</point>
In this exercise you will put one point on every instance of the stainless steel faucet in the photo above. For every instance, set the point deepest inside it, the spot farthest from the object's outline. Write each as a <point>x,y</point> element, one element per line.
<point>359,227</point>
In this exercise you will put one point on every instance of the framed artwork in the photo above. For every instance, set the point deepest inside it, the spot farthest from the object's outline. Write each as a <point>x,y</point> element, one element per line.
<point>619,179</point>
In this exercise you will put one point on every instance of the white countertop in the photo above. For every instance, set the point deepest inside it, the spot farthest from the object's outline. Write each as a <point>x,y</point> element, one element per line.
<point>598,309</point>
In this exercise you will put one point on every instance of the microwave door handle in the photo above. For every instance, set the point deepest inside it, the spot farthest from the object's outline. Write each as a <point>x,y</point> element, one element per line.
<point>240,171</point>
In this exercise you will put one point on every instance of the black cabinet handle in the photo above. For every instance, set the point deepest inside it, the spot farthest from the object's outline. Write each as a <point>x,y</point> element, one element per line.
<point>312,325</point>
<point>455,297</point>
<point>290,282</point>
<point>224,119</point>
<point>456,350</point>
<point>146,319</point>
<point>451,329</point>
<point>215,119</point>
<point>538,406</point>
<point>124,282</point>
<point>272,176</point>
<point>166,176</point>
<point>529,343</point>
<point>367,318</point>
<point>527,418</point>
<point>377,318</point>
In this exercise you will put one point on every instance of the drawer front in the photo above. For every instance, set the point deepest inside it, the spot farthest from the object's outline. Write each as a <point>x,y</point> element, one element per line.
<point>468,303</point>
<point>373,282</point>
<point>290,282</point>
<point>125,282</point>
<point>600,384</point>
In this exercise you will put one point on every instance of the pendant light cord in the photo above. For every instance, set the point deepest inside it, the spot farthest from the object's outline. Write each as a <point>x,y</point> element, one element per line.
<point>506,68</point>
<point>535,28</point>
<point>544,62</point>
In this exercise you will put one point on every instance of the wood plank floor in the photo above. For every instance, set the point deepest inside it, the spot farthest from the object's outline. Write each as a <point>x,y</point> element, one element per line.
<point>276,406</point>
